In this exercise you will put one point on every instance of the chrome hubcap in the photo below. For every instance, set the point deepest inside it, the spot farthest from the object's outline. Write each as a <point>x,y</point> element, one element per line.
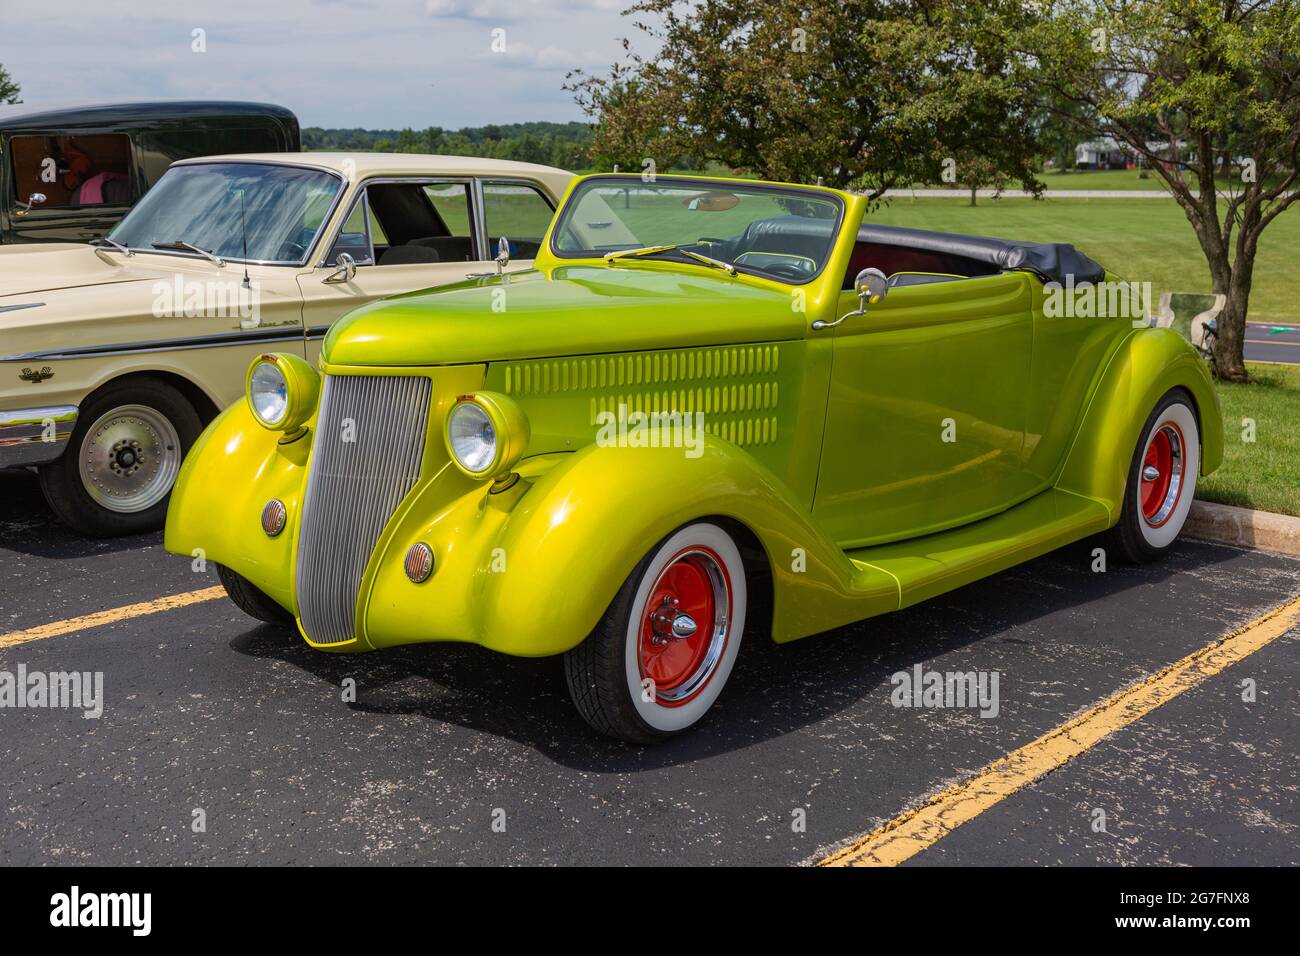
<point>130,458</point>
<point>1150,473</point>
<point>667,623</point>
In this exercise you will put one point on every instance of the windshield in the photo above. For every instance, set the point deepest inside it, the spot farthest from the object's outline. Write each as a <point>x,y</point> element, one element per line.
<point>203,205</point>
<point>782,233</point>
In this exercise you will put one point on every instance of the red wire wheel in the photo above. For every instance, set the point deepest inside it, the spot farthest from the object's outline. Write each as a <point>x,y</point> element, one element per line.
<point>685,625</point>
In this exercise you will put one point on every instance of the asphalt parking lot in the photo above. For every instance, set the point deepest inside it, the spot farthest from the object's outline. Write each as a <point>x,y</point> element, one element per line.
<point>204,709</point>
<point>1273,343</point>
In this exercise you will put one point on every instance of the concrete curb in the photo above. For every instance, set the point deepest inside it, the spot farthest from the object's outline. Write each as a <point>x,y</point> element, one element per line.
<point>1244,527</point>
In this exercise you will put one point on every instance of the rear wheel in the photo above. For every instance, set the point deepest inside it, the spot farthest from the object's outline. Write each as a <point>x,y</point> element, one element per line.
<point>1161,481</point>
<point>251,600</point>
<point>659,658</point>
<point>117,473</point>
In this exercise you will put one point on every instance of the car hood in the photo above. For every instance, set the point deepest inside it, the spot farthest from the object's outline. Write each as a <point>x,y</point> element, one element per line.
<point>567,310</point>
<point>48,267</point>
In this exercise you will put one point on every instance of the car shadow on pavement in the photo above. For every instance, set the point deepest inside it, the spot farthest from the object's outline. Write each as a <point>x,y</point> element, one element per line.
<point>28,526</point>
<point>775,689</point>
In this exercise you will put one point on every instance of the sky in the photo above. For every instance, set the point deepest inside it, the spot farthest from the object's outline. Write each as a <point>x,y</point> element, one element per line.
<point>376,64</point>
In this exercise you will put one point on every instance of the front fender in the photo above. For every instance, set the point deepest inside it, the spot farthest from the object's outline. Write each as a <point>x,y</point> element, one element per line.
<point>229,475</point>
<point>530,571</point>
<point>1147,364</point>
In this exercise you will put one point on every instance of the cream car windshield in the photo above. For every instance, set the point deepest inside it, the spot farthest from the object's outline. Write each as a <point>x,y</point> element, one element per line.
<point>785,234</point>
<point>223,209</point>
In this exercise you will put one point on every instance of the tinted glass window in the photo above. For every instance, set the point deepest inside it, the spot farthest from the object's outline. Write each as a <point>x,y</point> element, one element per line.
<point>73,171</point>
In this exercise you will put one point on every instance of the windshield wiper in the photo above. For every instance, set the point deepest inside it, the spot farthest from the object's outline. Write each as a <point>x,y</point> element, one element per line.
<point>189,246</point>
<point>105,241</point>
<point>726,267</point>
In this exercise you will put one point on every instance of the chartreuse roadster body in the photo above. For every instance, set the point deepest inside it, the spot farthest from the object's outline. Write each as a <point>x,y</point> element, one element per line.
<point>713,406</point>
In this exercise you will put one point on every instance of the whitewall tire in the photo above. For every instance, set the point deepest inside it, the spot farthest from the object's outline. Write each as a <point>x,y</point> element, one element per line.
<point>1161,480</point>
<point>661,655</point>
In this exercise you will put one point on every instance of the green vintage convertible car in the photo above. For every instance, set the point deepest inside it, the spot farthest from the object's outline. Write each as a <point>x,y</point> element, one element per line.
<point>713,406</point>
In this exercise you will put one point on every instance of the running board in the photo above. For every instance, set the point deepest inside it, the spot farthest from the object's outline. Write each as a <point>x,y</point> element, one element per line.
<point>925,567</point>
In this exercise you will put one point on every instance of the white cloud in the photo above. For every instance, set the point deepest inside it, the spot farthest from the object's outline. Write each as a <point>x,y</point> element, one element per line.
<point>381,64</point>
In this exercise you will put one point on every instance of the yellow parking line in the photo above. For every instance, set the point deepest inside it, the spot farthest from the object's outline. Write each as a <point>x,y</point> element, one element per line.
<point>1268,342</point>
<point>910,833</point>
<point>99,618</point>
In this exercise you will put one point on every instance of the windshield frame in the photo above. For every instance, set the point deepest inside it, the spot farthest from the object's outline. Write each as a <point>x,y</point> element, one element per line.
<point>297,263</point>
<point>826,195</point>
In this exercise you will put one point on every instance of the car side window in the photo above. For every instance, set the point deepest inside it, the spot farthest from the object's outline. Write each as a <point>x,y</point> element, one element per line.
<point>518,212</point>
<point>73,171</point>
<point>355,238</point>
<point>451,202</point>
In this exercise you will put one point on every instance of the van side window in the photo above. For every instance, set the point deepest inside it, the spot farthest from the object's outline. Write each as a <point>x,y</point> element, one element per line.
<point>73,171</point>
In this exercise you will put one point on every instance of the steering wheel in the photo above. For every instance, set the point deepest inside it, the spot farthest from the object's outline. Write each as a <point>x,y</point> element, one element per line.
<point>787,270</point>
<point>290,249</point>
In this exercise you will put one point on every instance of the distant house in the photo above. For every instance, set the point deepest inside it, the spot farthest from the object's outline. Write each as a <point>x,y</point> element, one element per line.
<point>1104,153</point>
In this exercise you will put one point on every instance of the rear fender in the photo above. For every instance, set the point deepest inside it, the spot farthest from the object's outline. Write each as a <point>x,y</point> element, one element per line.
<point>1147,364</point>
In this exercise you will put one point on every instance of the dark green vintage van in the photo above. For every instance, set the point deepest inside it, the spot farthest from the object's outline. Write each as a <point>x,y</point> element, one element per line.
<point>69,174</point>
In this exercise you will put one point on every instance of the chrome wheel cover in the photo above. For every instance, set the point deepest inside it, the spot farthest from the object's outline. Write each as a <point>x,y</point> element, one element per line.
<point>129,458</point>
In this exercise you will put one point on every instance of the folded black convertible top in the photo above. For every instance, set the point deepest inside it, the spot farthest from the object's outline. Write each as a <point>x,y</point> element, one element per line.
<point>1051,262</point>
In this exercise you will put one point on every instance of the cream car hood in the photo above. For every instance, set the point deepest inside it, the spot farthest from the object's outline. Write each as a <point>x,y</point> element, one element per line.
<point>46,267</point>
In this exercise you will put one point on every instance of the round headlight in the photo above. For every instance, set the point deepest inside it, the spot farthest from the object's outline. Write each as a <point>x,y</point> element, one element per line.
<point>282,391</point>
<point>268,394</point>
<point>486,434</point>
<point>472,438</point>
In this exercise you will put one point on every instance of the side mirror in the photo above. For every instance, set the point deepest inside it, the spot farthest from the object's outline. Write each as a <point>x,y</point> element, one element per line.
<point>347,270</point>
<point>871,285</point>
<point>35,199</point>
<point>503,255</point>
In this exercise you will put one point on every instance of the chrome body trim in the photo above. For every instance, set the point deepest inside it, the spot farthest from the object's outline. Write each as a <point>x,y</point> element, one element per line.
<point>23,434</point>
<point>288,333</point>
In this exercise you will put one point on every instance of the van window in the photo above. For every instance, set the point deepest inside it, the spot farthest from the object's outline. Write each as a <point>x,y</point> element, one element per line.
<point>73,171</point>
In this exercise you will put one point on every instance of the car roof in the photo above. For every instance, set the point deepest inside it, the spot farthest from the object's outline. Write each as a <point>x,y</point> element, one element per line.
<point>363,165</point>
<point>25,115</point>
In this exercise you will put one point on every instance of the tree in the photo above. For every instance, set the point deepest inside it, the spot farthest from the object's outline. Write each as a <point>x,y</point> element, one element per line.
<point>9,88</point>
<point>859,93</point>
<point>1214,83</point>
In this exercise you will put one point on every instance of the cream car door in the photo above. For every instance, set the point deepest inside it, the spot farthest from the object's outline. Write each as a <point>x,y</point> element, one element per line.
<point>402,235</point>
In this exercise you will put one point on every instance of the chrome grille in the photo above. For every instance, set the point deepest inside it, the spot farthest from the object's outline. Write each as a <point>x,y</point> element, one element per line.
<point>353,488</point>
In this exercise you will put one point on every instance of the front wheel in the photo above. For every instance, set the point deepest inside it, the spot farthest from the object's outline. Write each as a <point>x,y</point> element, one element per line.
<point>123,457</point>
<point>660,656</point>
<point>251,600</point>
<point>1161,481</point>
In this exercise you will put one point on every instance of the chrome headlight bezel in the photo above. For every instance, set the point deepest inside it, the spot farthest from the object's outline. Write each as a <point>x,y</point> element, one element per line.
<point>486,412</point>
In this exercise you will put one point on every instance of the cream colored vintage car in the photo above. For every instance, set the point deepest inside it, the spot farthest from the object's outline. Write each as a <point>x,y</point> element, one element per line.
<point>113,356</point>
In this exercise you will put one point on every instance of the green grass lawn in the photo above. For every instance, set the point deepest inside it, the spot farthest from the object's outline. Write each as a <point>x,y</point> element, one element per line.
<point>1265,473</point>
<point>1138,239</point>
